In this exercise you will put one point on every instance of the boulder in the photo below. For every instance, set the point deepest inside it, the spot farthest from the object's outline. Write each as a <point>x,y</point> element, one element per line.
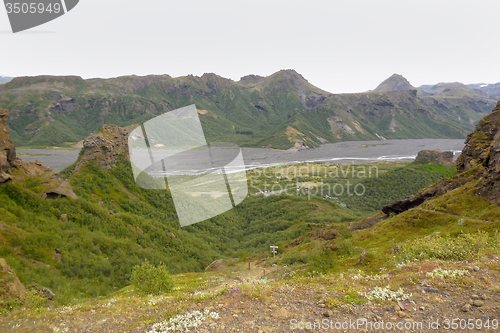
<point>436,156</point>
<point>7,149</point>
<point>216,265</point>
<point>9,282</point>
<point>325,234</point>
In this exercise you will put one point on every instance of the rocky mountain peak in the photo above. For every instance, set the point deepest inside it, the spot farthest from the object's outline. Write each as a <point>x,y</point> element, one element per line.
<point>394,82</point>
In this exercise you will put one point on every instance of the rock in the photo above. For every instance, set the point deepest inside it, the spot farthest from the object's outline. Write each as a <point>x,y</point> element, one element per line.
<point>482,148</point>
<point>216,265</point>
<point>476,269</point>
<point>474,297</point>
<point>401,314</point>
<point>401,305</point>
<point>39,163</point>
<point>435,156</point>
<point>432,290</point>
<point>171,234</point>
<point>465,308</point>
<point>46,292</point>
<point>9,282</point>
<point>396,308</point>
<point>63,190</point>
<point>422,308</point>
<point>328,313</point>
<point>478,303</point>
<point>64,217</point>
<point>7,149</point>
<point>325,234</point>
<point>484,297</point>
<point>280,314</point>
<point>322,305</point>
<point>446,293</point>
<point>361,257</point>
<point>104,147</point>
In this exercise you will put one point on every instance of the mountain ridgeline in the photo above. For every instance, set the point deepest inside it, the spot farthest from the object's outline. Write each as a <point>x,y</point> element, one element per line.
<point>280,111</point>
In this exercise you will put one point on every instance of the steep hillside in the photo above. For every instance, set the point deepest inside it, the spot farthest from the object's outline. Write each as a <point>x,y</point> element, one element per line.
<point>477,168</point>
<point>280,111</point>
<point>436,260</point>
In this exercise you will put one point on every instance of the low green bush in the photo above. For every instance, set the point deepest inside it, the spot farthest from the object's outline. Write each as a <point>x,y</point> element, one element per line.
<point>462,247</point>
<point>151,279</point>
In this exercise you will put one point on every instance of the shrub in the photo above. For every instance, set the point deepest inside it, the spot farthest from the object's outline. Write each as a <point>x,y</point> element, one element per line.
<point>153,280</point>
<point>463,247</point>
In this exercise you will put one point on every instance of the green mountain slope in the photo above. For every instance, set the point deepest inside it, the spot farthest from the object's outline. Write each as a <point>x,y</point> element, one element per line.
<point>275,111</point>
<point>87,246</point>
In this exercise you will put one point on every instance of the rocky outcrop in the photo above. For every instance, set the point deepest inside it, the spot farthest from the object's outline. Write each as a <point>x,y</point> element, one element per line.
<point>439,188</point>
<point>14,169</point>
<point>10,285</point>
<point>435,156</point>
<point>7,149</point>
<point>105,147</point>
<point>480,156</point>
<point>324,234</point>
<point>484,144</point>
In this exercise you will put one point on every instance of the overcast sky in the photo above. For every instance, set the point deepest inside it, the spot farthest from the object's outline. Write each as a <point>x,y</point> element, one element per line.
<point>339,46</point>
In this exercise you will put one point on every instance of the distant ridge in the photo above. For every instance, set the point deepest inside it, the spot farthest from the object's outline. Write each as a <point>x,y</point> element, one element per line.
<point>5,79</point>
<point>394,82</point>
<point>280,111</point>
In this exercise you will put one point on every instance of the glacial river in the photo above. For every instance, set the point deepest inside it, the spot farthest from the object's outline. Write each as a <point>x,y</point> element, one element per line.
<point>338,153</point>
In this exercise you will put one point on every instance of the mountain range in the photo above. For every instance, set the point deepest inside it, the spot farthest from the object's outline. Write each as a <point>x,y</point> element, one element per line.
<point>281,111</point>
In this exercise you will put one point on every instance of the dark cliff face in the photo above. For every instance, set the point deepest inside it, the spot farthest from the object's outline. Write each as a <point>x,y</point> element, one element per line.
<point>482,147</point>
<point>480,156</point>
<point>7,149</point>
<point>481,144</point>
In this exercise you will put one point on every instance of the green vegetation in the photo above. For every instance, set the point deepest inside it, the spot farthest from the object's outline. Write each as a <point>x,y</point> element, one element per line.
<point>114,227</point>
<point>465,246</point>
<point>152,280</point>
